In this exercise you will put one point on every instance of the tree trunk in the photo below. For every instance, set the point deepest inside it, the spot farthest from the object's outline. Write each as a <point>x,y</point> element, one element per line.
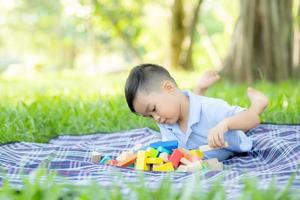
<point>187,58</point>
<point>177,34</point>
<point>262,42</point>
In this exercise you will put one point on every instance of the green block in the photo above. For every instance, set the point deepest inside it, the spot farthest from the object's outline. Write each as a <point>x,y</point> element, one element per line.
<point>153,152</point>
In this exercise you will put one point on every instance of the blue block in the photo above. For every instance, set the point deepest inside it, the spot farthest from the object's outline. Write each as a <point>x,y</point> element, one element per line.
<point>170,145</point>
<point>105,159</point>
<point>162,149</point>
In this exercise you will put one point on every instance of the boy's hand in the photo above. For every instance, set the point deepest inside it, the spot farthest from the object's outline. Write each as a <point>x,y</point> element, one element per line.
<point>215,136</point>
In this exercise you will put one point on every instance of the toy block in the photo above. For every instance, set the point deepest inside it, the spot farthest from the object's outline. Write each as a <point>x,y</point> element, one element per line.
<point>140,163</point>
<point>205,148</point>
<point>155,161</point>
<point>194,166</point>
<point>194,158</point>
<point>167,167</point>
<point>112,162</point>
<point>170,145</point>
<point>214,164</point>
<point>96,157</point>
<point>184,151</point>
<point>105,159</point>
<point>162,149</point>
<point>129,160</point>
<point>124,155</point>
<point>153,152</point>
<point>175,157</point>
<point>182,168</point>
<point>196,153</point>
<point>164,156</point>
<point>185,161</point>
<point>131,166</point>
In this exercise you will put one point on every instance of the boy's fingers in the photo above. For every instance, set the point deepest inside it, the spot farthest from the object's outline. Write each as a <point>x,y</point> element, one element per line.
<point>217,140</point>
<point>221,138</point>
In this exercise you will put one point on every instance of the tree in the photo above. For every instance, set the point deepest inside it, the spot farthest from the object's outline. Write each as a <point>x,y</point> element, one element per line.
<point>262,42</point>
<point>182,36</point>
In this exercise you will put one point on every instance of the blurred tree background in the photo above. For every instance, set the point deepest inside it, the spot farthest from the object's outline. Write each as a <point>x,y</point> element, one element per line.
<point>248,39</point>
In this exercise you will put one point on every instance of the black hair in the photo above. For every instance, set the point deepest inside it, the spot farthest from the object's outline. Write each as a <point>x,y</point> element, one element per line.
<point>146,77</point>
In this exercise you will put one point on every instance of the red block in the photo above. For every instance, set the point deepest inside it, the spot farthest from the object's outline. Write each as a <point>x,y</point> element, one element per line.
<point>175,157</point>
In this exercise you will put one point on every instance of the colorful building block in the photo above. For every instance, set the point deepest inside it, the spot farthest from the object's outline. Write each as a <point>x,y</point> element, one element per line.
<point>112,162</point>
<point>140,163</point>
<point>194,166</point>
<point>170,145</point>
<point>214,164</point>
<point>194,158</point>
<point>162,149</point>
<point>198,153</point>
<point>175,157</point>
<point>124,156</point>
<point>205,148</point>
<point>167,167</point>
<point>105,159</point>
<point>164,156</point>
<point>185,161</point>
<point>129,160</point>
<point>96,157</point>
<point>182,168</point>
<point>155,161</point>
<point>153,152</point>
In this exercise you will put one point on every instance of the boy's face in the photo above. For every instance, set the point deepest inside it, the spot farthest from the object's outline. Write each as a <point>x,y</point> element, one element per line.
<point>162,105</point>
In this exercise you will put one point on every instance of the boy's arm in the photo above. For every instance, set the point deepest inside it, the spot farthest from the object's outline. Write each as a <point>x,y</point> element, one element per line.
<point>242,121</point>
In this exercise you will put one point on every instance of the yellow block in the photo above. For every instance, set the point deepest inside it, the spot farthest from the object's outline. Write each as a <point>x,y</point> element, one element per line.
<point>197,153</point>
<point>167,167</point>
<point>156,161</point>
<point>140,163</point>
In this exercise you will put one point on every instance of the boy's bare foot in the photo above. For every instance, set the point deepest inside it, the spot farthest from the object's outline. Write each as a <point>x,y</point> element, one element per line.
<point>206,80</point>
<point>259,101</point>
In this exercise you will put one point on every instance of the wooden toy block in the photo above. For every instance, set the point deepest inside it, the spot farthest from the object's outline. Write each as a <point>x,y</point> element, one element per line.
<point>167,167</point>
<point>182,168</point>
<point>130,160</point>
<point>175,157</point>
<point>214,164</point>
<point>185,161</point>
<point>105,159</point>
<point>162,149</point>
<point>140,163</point>
<point>170,145</point>
<point>164,156</point>
<point>184,151</point>
<point>124,155</point>
<point>153,152</point>
<point>112,162</point>
<point>194,166</point>
<point>155,161</point>
<point>96,157</point>
<point>205,148</point>
<point>197,153</point>
<point>194,158</point>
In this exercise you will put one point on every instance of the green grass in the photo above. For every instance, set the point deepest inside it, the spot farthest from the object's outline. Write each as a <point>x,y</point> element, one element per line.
<point>50,105</point>
<point>38,109</point>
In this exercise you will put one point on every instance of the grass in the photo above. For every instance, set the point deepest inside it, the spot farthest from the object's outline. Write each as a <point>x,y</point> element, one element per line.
<point>37,109</point>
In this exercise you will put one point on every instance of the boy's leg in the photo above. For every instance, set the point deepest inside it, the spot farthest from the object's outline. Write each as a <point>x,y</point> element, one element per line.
<point>258,100</point>
<point>207,79</point>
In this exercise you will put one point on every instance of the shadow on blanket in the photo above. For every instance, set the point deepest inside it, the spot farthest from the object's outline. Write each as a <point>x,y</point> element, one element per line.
<point>276,155</point>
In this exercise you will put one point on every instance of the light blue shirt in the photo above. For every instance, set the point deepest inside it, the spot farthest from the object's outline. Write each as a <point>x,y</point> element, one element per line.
<point>204,114</point>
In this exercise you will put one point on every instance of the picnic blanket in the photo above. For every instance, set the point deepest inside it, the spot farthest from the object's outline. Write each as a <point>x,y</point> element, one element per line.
<point>275,155</point>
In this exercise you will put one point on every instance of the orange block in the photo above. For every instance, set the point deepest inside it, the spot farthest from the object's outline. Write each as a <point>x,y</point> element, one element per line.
<point>125,163</point>
<point>112,162</point>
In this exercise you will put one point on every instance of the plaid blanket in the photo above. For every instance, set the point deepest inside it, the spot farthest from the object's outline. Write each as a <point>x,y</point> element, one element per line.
<point>276,155</point>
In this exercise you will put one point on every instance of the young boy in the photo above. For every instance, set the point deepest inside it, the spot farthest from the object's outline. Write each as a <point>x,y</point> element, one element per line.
<point>192,120</point>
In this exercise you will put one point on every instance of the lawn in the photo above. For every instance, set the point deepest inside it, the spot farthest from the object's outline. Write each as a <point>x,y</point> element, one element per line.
<point>35,109</point>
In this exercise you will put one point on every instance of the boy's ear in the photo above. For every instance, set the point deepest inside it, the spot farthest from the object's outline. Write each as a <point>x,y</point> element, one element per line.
<point>168,85</point>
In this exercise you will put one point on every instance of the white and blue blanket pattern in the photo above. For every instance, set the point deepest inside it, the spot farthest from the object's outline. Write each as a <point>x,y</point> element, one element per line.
<point>275,155</point>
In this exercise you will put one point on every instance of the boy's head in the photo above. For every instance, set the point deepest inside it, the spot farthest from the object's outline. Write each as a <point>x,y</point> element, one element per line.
<point>151,91</point>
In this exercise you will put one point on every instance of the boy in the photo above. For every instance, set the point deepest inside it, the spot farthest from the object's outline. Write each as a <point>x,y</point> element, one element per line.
<point>191,119</point>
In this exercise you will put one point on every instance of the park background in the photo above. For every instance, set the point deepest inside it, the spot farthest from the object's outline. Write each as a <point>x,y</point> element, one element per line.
<point>63,63</point>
